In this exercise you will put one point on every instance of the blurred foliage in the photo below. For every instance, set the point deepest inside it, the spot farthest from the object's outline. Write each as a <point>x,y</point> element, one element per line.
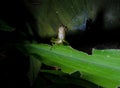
<point>58,79</point>
<point>49,14</point>
<point>33,69</point>
<point>5,27</point>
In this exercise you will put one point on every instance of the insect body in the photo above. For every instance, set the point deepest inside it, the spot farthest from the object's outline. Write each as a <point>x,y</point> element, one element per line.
<point>61,36</point>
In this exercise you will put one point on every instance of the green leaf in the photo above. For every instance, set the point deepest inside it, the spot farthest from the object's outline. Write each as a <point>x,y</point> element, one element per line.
<point>49,14</point>
<point>5,27</point>
<point>34,69</point>
<point>58,79</point>
<point>102,67</point>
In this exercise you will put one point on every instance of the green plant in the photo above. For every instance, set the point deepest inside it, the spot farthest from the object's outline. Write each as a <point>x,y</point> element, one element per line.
<point>101,68</point>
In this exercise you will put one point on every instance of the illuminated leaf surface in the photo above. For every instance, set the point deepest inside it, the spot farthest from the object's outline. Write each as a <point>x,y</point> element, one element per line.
<point>102,67</point>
